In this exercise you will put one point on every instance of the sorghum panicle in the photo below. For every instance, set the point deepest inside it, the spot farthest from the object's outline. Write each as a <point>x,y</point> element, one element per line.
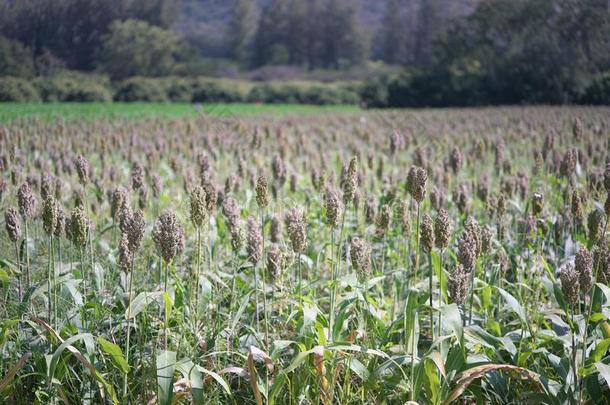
<point>569,283</point>
<point>583,263</point>
<point>360,255</point>
<point>49,215</point>
<point>442,229</point>
<point>13,224</point>
<point>427,233</point>
<point>274,262</point>
<point>168,235</point>
<point>333,206</point>
<point>254,246</point>
<point>262,192</point>
<point>458,284</point>
<point>383,219</point>
<point>416,183</point>
<point>26,201</point>
<point>297,229</point>
<point>199,214</point>
<point>79,227</point>
<point>82,169</point>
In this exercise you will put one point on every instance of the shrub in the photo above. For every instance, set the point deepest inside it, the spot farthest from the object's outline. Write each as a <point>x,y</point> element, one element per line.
<point>598,91</point>
<point>179,90</point>
<point>208,91</point>
<point>15,59</point>
<point>141,89</point>
<point>15,89</point>
<point>68,87</point>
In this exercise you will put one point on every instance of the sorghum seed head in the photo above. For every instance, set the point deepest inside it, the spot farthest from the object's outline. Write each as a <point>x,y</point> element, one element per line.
<point>537,203</point>
<point>569,283</point>
<point>350,182</point>
<point>135,230</point>
<point>456,159</point>
<point>416,183</point>
<point>487,233</point>
<point>501,206</point>
<point>157,185</point>
<point>607,177</point>
<point>383,219</point>
<point>231,212</point>
<point>473,229</point>
<point>370,209</point>
<point>120,198</point>
<point>262,192</point>
<point>168,235</point>
<point>297,229</point>
<point>467,252</point>
<point>47,186</point>
<point>82,169</point>
<point>254,246</point>
<point>276,229</point>
<point>79,226</point>
<point>199,213</point>
<point>427,233</point>
<point>333,206</point>
<point>442,229</point>
<point>137,176</point>
<point>49,215</point>
<point>60,226</point>
<point>279,170</point>
<point>360,255</point>
<point>274,262</point>
<point>13,224</point>
<point>26,200</point>
<point>125,255</point>
<point>458,284</point>
<point>576,206</point>
<point>601,258</point>
<point>568,164</point>
<point>583,262</point>
<point>594,224</point>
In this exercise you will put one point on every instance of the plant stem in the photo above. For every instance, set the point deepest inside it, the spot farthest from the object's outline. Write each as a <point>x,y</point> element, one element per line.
<point>440,292</point>
<point>50,282</point>
<point>430,290</point>
<point>128,331</point>
<point>333,290</point>
<point>197,270</point>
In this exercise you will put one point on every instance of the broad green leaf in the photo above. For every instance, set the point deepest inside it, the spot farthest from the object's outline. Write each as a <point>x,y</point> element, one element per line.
<point>141,301</point>
<point>513,304</point>
<point>115,353</point>
<point>166,362</point>
<point>451,321</point>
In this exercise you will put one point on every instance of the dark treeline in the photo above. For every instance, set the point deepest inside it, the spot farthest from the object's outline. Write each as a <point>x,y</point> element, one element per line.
<point>449,52</point>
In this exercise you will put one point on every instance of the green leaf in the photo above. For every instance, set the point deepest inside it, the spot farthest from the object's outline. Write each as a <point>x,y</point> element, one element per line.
<point>451,321</point>
<point>513,304</point>
<point>168,305</point>
<point>115,353</point>
<point>166,362</point>
<point>141,301</point>
<point>4,279</point>
<point>600,350</point>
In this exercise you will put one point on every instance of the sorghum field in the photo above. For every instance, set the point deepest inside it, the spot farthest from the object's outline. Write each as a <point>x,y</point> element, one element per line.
<point>433,256</point>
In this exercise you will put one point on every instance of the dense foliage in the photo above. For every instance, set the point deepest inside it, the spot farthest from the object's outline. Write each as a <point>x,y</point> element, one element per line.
<point>370,257</point>
<point>453,53</point>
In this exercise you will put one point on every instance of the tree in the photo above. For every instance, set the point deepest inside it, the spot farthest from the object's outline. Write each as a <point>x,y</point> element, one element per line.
<point>15,59</point>
<point>136,48</point>
<point>392,32</point>
<point>242,28</point>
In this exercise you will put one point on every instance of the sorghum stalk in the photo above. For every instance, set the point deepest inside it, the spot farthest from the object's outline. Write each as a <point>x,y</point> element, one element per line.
<point>263,276</point>
<point>127,347</point>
